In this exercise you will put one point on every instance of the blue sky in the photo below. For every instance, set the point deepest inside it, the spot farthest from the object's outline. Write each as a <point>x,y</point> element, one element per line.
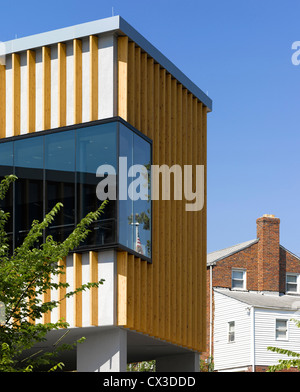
<point>239,52</point>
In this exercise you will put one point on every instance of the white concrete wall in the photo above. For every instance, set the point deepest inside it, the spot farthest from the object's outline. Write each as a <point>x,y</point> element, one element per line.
<point>106,292</point>
<point>103,351</point>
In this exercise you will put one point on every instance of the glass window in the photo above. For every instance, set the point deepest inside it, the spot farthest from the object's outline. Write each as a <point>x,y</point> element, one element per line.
<point>28,159</point>
<point>64,167</point>
<point>142,206</point>
<point>281,329</point>
<point>96,146</point>
<point>6,158</point>
<point>292,283</point>
<point>238,279</point>
<point>134,188</point>
<point>6,168</point>
<point>60,182</point>
<point>125,202</point>
<point>231,331</point>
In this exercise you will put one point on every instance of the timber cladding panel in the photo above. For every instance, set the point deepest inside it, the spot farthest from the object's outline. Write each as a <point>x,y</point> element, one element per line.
<point>53,86</point>
<point>165,299</point>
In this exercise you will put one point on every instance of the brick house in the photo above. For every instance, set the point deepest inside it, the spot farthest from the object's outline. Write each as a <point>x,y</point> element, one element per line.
<point>253,291</point>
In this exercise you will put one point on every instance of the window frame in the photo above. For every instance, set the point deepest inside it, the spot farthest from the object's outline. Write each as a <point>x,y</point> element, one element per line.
<point>297,283</point>
<point>118,120</point>
<point>286,320</point>
<point>244,279</point>
<point>230,332</point>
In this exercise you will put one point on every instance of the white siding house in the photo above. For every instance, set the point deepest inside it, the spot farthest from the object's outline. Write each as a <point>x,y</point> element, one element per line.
<point>246,323</point>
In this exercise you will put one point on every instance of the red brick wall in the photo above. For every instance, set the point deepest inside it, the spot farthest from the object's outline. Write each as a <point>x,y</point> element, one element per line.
<point>261,369</point>
<point>246,259</point>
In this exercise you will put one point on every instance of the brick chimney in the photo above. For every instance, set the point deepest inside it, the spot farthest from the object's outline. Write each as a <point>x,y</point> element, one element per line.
<point>268,253</point>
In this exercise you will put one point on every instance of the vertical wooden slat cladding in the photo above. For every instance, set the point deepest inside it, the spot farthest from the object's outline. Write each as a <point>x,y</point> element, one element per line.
<point>93,77</point>
<point>122,76</point>
<point>173,285</point>
<point>137,79</point>
<point>130,291</point>
<point>77,50</point>
<point>77,270</point>
<point>2,101</point>
<point>161,203</point>
<point>194,229</point>
<point>184,233</point>
<point>122,303</point>
<point>93,260</point>
<point>173,219</point>
<point>62,308</point>
<point>167,253</point>
<point>200,227</point>
<point>16,90</point>
<point>47,298</point>
<point>150,131</point>
<point>179,220</point>
<point>31,91</point>
<point>143,295</point>
<point>190,217</point>
<point>62,84</point>
<point>204,217</point>
<point>144,95</point>
<point>46,58</point>
<point>137,294</point>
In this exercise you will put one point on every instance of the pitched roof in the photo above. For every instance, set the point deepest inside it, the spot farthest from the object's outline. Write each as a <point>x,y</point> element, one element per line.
<point>217,255</point>
<point>263,300</point>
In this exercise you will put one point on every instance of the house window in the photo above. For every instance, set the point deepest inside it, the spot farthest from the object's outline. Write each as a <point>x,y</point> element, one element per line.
<point>281,329</point>
<point>231,331</point>
<point>292,283</point>
<point>238,280</point>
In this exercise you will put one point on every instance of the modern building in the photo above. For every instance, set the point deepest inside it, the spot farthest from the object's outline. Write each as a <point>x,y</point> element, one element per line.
<point>97,94</point>
<point>253,294</point>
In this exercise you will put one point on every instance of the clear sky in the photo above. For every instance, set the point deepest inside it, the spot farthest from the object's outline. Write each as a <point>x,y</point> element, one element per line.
<point>239,52</point>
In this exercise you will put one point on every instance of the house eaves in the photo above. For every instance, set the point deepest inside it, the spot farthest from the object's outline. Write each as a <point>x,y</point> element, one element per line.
<point>262,300</point>
<point>112,25</point>
<point>214,257</point>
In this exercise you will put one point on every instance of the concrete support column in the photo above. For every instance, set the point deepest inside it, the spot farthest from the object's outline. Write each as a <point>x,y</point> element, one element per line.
<point>178,363</point>
<point>104,351</point>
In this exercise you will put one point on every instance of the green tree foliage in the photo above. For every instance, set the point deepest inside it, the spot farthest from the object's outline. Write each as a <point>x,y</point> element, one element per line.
<point>284,364</point>
<point>145,366</point>
<point>24,276</point>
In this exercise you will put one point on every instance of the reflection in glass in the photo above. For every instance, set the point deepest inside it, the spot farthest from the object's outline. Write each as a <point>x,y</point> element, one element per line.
<point>126,237</point>
<point>60,182</point>
<point>28,160</point>
<point>95,146</point>
<point>135,215</point>
<point>142,208</point>
<point>6,168</point>
<point>62,167</point>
